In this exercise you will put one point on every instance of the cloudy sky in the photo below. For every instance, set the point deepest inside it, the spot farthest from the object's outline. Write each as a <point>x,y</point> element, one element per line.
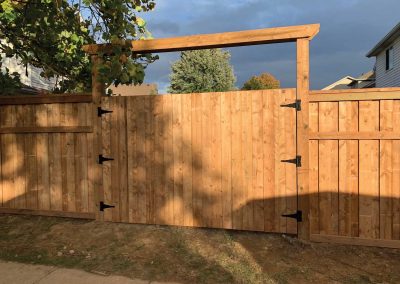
<point>349,29</point>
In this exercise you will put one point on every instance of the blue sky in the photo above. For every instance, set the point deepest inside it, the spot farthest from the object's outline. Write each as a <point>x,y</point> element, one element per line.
<point>349,29</point>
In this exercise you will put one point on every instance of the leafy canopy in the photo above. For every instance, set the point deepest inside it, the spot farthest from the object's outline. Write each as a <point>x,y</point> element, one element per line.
<point>9,83</point>
<point>49,34</point>
<point>261,82</point>
<point>205,70</point>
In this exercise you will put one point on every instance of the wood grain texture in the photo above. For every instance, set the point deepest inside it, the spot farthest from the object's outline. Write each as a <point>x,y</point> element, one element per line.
<point>201,160</point>
<point>218,40</point>
<point>369,171</point>
<point>348,171</point>
<point>302,123</point>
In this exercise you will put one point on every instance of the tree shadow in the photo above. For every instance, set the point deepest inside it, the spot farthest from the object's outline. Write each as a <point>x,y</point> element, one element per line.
<point>173,165</point>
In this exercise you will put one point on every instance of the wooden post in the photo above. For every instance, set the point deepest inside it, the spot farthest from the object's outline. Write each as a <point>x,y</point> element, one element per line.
<point>303,90</point>
<point>97,171</point>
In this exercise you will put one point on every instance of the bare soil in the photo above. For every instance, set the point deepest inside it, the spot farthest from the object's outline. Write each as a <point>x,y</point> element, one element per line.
<point>187,255</point>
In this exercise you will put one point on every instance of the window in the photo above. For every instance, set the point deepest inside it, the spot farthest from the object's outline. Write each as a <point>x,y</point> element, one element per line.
<point>389,58</point>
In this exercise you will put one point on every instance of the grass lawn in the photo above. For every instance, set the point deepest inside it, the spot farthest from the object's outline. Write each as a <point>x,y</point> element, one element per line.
<point>190,255</point>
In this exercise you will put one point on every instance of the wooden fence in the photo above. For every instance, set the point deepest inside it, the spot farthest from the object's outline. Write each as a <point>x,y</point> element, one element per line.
<point>46,155</point>
<point>210,160</point>
<point>206,160</point>
<point>355,166</point>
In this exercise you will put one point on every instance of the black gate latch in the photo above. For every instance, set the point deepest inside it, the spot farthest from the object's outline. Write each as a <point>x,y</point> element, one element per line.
<point>298,216</point>
<point>105,206</point>
<point>104,159</point>
<point>296,161</point>
<point>296,105</point>
<point>101,111</point>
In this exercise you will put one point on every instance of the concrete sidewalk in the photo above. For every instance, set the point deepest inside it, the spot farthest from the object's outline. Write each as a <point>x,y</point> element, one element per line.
<point>18,273</point>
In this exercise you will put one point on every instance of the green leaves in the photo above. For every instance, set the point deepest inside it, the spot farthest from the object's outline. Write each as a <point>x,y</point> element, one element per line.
<point>9,83</point>
<point>50,34</point>
<point>199,71</point>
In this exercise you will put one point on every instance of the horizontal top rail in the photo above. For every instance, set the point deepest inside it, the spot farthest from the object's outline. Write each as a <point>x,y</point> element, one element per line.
<point>217,40</point>
<point>46,99</point>
<point>355,95</point>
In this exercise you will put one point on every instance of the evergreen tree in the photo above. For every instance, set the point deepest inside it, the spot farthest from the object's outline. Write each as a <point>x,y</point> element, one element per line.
<point>198,71</point>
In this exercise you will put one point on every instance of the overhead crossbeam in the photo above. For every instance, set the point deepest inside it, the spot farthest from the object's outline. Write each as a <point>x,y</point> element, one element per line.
<point>217,40</point>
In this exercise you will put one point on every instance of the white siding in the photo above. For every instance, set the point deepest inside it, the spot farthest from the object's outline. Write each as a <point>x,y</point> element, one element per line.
<point>390,78</point>
<point>33,79</point>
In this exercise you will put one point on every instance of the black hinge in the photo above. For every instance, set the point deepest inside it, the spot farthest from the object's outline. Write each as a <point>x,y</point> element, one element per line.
<point>296,161</point>
<point>101,111</point>
<point>298,216</point>
<point>104,159</point>
<point>105,206</point>
<point>296,105</point>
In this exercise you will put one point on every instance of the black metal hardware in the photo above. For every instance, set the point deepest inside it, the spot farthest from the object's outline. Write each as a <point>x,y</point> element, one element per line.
<point>298,216</point>
<point>104,159</point>
<point>296,161</point>
<point>101,111</point>
<point>105,206</point>
<point>296,105</point>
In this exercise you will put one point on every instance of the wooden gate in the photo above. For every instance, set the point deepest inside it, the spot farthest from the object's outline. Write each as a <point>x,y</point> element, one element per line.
<point>206,160</point>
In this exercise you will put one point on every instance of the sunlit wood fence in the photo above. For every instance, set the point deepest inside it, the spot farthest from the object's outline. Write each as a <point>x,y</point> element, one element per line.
<point>219,160</point>
<point>355,166</point>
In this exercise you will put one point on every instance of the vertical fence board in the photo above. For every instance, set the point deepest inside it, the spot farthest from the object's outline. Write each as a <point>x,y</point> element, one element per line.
<point>55,165</point>
<point>369,171</point>
<point>169,159</point>
<point>132,158</point>
<point>20,163</point>
<point>348,171</point>
<point>237,176</point>
<point>115,165</point>
<point>269,158</point>
<point>226,160</point>
<point>106,152</point>
<point>386,188</point>
<point>30,159</point>
<point>177,159</point>
<point>196,157</point>
<point>314,170</point>
<point>215,160</point>
<point>280,168</point>
<point>328,173</point>
<point>122,158</point>
<point>42,150</point>
<point>187,160</point>
<point>290,193</point>
<point>247,154</point>
<point>257,179</point>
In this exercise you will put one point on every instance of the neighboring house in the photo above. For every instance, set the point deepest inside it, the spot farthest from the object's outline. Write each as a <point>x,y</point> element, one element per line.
<point>366,80</point>
<point>33,81</point>
<point>387,53</point>
<point>131,90</point>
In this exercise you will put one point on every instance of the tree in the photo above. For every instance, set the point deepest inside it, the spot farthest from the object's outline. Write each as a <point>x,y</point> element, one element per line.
<point>9,83</point>
<point>199,71</point>
<point>49,34</point>
<point>263,81</point>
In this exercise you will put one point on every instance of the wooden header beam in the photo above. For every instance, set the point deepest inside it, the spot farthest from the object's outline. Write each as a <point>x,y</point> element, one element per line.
<point>218,40</point>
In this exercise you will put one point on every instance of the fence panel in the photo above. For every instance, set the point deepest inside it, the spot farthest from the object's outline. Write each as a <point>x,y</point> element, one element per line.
<point>45,158</point>
<point>354,165</point>
<point>207,160</point>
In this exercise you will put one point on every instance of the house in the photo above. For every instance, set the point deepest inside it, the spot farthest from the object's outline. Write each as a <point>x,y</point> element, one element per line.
<point>30,76</point>
<point>387,53</point>
<point>366,80</point>
<point>132,90</point>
